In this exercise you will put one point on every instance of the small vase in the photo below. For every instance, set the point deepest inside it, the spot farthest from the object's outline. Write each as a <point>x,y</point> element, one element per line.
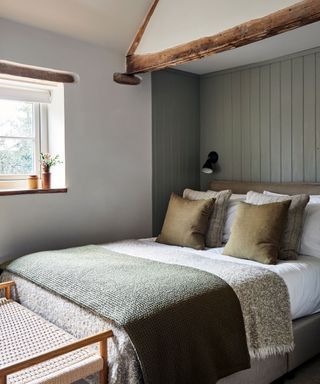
<point>46,180</point>
<point>33,181</point>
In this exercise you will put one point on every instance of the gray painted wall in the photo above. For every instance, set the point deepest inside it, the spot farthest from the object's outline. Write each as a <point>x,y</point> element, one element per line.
<point>175,137</point>
<point>264,120</point>
<point>108,151</point>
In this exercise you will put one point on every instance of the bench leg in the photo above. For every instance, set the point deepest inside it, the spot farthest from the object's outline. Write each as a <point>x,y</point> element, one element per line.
<point>3,380</point>
<point>104,354</point>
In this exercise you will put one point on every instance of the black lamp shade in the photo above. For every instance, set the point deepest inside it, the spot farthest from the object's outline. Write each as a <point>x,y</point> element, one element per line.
<point>207,167</point>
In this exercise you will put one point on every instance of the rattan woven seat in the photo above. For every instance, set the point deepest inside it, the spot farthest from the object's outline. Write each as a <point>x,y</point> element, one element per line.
<point>24,335</point>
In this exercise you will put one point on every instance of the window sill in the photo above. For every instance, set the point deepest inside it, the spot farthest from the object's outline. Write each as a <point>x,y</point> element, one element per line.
<point>10,192</point>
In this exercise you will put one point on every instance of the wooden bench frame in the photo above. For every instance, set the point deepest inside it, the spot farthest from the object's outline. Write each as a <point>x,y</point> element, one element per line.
<point>101,338</point>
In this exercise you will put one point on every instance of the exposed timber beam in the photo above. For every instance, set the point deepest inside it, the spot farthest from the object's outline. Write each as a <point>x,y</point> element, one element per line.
<point>142,28</point>
<point>9,68</point>
<point>123,78</point>
<point>284,20</point>
<point>130,79</point>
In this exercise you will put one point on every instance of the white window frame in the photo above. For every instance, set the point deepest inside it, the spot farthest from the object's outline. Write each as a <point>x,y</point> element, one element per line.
<point>49,117</point>
<point>40,127</point>
<point>39,94</point>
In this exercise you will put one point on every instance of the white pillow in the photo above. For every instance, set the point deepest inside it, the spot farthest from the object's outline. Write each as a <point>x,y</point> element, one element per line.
<point>273,193</point>
<point>310,238</point>
<point>314,199</point>
<point>237,196</point>
<point>232,208</point>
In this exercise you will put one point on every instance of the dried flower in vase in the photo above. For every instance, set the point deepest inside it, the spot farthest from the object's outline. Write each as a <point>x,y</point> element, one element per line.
<point>47,161</point>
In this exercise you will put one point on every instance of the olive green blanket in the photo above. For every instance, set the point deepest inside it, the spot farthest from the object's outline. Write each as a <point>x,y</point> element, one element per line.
<point>186,325</point>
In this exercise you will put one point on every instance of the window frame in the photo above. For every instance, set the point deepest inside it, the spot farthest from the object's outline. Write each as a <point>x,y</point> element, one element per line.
<point>50,115</point>
<point>40,127</point>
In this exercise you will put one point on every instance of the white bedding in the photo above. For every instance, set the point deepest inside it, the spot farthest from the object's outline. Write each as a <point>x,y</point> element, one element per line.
<point>301,276</point>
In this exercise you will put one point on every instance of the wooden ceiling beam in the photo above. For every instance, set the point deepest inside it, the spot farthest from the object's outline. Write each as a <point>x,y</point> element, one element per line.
<point>123,78</point>
<point>9,68</point>
<point>130,79</point>
<point>142,28</point>
<point>295,16</point>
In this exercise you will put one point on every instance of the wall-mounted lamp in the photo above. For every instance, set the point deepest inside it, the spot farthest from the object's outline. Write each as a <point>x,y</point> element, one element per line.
<point>207,167</point>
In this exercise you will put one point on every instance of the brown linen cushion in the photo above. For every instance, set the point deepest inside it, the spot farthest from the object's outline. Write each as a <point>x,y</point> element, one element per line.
<point>214,236</point>
<point>256,231</point>
<point>291,238</point>
<point>186,222</point>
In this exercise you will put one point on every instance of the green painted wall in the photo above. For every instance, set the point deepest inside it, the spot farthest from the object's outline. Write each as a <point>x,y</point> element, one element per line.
<point>175,138</point>
<point>264,120</point>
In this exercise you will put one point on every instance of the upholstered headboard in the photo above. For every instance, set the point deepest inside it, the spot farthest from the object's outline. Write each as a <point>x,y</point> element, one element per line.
<point>285,188</point>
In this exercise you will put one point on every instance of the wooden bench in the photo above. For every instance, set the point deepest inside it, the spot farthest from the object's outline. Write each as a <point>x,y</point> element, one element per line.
<point>34,351</point>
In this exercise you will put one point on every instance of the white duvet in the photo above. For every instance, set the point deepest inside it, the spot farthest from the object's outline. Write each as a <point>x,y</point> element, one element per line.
<point>301,276</point>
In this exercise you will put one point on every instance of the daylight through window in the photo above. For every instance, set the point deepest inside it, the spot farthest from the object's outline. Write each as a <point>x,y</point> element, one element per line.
<point>19,137</point>
<point>23,128</point>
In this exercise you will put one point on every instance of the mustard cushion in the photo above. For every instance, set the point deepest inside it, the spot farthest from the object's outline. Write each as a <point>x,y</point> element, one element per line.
<point>186,222</point>
<point>257,231</point>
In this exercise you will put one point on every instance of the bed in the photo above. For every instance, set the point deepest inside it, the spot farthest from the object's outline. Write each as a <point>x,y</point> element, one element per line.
<point>302,278</point>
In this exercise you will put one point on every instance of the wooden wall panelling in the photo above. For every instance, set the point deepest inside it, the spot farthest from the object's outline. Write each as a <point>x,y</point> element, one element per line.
<point>309,117</point>
<point>275,120</point>
<point>227,126</point>
<point>209,117</point>
<point>286,123</point>
<point>236,152</point>
<point>275,131</point>
<point>245,125</point>
<point>297,119</point>
<point>318,116</point>
<point>255,123</point>
<point>265,147</point>
<point>175,138</point>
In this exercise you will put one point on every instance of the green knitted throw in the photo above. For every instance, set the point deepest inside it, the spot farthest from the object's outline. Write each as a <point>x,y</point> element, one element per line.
<point>186,325</point>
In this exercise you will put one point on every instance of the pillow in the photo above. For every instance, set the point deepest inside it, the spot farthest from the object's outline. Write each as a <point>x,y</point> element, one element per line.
<point>291,238</point>
<point>186,222</point>
<point>214,236</point>
<point>314,199</point>
<point>238,196</point>
<point>256,231</point>
<point>310,238</point>
<point>231,212</point>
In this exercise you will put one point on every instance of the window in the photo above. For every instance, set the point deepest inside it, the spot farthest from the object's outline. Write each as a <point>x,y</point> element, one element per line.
<point>26,109</point>
<point>20,138</point>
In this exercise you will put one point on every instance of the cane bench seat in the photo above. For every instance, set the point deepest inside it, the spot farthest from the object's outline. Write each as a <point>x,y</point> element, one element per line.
<point>25,336</point>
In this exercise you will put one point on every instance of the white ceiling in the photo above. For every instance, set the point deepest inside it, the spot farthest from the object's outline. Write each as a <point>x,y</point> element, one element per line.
<point>180,21</point>
<point>111,23</point>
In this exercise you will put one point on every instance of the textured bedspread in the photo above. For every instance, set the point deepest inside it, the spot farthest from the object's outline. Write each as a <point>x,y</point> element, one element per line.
<point>164,308</point>
<point>263,294</point>
<point>265,309</point>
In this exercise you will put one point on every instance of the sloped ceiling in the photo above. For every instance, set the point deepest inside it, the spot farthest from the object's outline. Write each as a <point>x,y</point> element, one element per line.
<point>180,21</point>
<point>113,24</point>
<point>110,23</point>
